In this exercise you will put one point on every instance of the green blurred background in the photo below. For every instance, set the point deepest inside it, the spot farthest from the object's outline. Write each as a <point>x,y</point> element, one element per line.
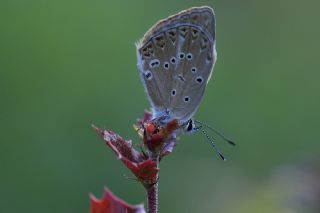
<point>67,64</point>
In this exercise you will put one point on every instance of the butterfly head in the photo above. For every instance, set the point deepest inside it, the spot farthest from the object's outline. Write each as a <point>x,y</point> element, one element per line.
<point>189,127</point>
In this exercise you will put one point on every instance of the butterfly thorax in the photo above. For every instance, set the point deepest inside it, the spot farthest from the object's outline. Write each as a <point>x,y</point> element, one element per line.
<point>166,121</point>
<point>156,134</point>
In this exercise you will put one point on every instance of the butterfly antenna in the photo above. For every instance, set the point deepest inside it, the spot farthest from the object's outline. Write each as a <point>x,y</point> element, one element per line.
<point>213,145</point>
<point>217,132</point>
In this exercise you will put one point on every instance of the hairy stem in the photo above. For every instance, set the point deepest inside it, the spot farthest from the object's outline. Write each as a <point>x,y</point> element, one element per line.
<point>152,191</point>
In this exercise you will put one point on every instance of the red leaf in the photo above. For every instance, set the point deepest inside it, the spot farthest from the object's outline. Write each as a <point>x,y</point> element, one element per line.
<point>144,169</point>
<point>119,146</point>
<point>109,203</point>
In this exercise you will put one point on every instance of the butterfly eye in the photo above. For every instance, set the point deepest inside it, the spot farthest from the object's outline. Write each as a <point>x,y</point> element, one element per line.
<point>190,126</point>
<point>186,99</point>
<point>193,69</point>
<point>189,56</point>
<point>148,75</point>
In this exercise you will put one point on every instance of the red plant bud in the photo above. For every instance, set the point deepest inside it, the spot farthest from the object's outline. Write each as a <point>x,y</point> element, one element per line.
<point>156,137</point>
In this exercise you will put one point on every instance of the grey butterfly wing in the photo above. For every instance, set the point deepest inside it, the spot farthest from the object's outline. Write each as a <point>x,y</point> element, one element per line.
<point>152,67</point>
<point>178,53</point>
<point>194,71</point>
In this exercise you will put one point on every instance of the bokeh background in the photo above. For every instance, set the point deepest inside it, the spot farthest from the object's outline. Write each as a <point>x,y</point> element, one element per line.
<point>67,64</point>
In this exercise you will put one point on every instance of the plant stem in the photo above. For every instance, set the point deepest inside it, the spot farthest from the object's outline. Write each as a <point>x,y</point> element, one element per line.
<point>152,191</point>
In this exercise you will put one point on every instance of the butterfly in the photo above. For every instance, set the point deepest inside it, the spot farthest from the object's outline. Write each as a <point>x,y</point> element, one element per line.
<point>176,57</point>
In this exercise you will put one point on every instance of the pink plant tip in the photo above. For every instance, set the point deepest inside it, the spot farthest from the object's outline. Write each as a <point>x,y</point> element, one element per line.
<point>110,203</point>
